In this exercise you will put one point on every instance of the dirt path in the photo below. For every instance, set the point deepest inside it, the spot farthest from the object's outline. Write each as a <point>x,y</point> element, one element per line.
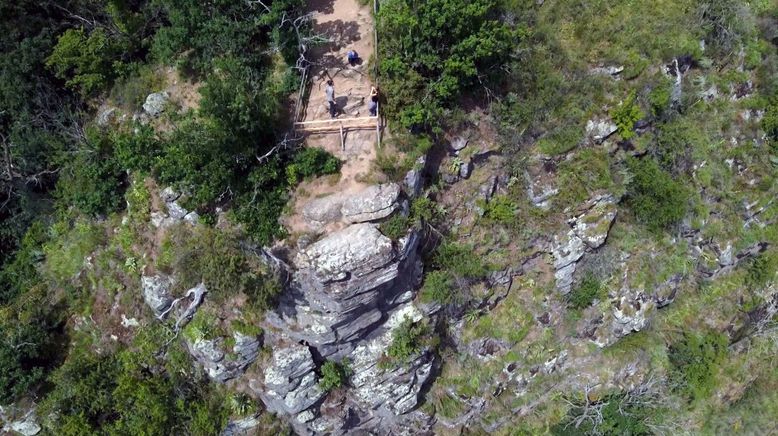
<point>349,26</point>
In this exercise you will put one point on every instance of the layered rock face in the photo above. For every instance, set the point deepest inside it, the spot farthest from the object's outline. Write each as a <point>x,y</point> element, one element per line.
<point>343,287</point>
<point>347,294</point>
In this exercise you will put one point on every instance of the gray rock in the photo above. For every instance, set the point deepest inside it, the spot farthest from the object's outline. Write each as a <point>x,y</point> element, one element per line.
<point>26,426</point>
<point>106,116</point>
<point>356,248</point>
<point>322,211</point>
<point>155,103</point>
<point>414,181</point>
<point>371,204</point>
<point>593,226</point>
<point>169,195</point>
<point>192,217</point>
<point>631,312</point>
<point>466,169</point>
<point>175,211</point>
<point>241,427</point>
<point>290,382</point>
<point>608,71</point>
<point>459,143</point>
<point>600,130</point>
<point>567,251</point>
<point>221,366</point>
<point>156,292</point>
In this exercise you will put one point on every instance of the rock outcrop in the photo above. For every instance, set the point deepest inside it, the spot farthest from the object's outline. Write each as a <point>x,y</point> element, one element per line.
<point>156,292</point>
<point>220,365</point>
<point>371,204</point>
<point>155,103</point>
<point>588,231</point>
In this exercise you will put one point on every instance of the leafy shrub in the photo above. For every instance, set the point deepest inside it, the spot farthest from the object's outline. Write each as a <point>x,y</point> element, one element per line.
<point>310,162</point>
<point>626,115</point>
<point>424,209</point>
<point>675,144</point>
<point>92,181</point>
<point>761,270</point>
<point>334,374</point>
<point>21,273</point>
<point>395,227</point>
<point>26,351</point>
<point>137,150</point>
<point>217,258</point>
<point>695,360</point>
<point>500,209</point>
<point>407,340</point>
<point>69,246</point>
<point>437,49</point>
<point>561,141</point>
<point>656,199</point>
<point>84,61</point>
<point>659,98</point>
<point>460,260</point>
<point>770,124</point>
<point>585,293</point>
<point>437,287</point>
<point>585,173</point>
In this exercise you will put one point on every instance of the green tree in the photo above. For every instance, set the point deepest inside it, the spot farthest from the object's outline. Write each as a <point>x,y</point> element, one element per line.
<point>85,60</point>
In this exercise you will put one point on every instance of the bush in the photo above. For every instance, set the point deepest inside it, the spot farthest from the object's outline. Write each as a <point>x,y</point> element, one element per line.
<point>437,287</point>
<point>619,416</point>
<point>657,200</point>
<point>585,293</point>
<point>407,341</point>
<point>437,49</point>
<point>334,374</point>
<point>500,209</point>
<point>626,115</point>
<point>395,227</point>
<point>695,360</point>
<point>761,270</point>
<point>84,61</point>
<point>138,149</point>
<point>460,260</point>
<point>217,258</point>
<point>310,162</point>
<point>92,181</point>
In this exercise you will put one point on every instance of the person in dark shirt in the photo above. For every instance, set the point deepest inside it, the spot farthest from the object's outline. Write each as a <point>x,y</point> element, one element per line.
<point>372,106</point>
<point>353,58</point>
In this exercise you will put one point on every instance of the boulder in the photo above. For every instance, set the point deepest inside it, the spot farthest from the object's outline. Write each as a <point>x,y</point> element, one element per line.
<point>566,251</point>
<point>373,203</point>
<point>175,211</point>
<point>459,143</point>
<point>631,312</point>
<point>356,249</point>
<point>290,383</point>
<point>600,130</point>
<point>155,103</point>
<point>414,181</point>
<point>219,365</point>
<point>169,195</point>
<point>466,169</point>
<point>106,116</point>
<point>593,225</point>
<point>156,292</point>
<point>322,211</point>
<point>241,427</point>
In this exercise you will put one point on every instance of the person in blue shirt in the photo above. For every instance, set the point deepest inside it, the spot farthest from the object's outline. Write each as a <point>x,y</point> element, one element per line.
<point>353,57</point>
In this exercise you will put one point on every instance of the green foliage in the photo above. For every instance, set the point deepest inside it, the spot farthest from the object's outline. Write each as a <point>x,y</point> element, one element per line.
<point>84,61</point>
<point>407,340</point>
<point>395,227</point>
<point>459,260</point>
<point>561,141</point>
<point>659,98</point>
<point>695,360</point>
<point>334,374</point>
<point>28,347</point>
<point>69,246</point>
<point>500,209</point>
<point>437,49</point>
<point>198,33</point>
<point>438,287</point>
<point>92,180</point>
<point>217,258</point>
<point>626,115</point>
<point>138,82</point>
<point>424,209</point>
<point>585,293</point>
<point>138,149</point>
<point>21,273</point>
<point>587,172</point>
<point>620,416</point>
<point>656,199</point>
<point>770,124</point>
<point>761,270</point>
<point>310,162</point>
<point>118,394</point>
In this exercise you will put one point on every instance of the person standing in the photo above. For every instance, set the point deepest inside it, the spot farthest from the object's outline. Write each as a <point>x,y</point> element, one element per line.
<point>372,106</point>
<point>329,91</point>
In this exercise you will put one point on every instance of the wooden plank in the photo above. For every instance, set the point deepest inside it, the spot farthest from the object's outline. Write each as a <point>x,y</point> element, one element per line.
<point>342,140</point>
<point>335,129</point>
<point>334,121</point>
